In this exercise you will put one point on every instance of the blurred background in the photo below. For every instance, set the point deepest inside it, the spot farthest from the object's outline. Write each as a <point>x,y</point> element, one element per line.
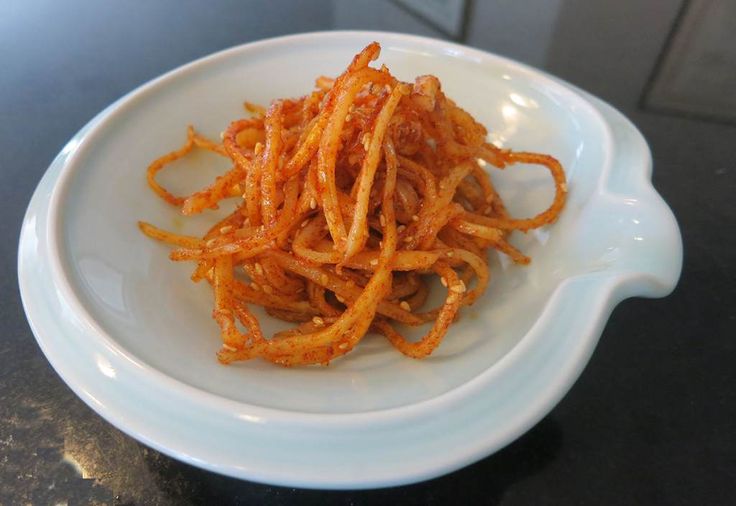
<point>651,421</point>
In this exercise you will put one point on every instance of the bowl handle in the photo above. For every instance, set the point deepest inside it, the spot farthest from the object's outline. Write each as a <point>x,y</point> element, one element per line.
<point>652,250</point>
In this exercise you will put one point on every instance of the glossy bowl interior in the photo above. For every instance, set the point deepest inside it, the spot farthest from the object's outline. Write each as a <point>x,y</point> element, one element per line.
<point>148,306</point>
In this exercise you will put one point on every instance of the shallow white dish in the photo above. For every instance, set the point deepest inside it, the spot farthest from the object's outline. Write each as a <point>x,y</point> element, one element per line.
<point>133,337</point>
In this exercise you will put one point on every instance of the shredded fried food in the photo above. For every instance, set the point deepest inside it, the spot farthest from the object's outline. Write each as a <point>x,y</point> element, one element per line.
<point>350,198</point>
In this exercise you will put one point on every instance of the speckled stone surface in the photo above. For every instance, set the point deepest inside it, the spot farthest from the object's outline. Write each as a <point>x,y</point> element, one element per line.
<point>652,420</point>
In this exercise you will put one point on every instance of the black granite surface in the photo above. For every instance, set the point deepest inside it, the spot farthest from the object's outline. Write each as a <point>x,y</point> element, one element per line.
<point>652,419</point>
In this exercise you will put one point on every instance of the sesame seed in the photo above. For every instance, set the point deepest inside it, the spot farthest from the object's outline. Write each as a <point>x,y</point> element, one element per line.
<point>318,321</point>
<point>259,269</point>
<point>408,238</point>
<point>255,286</point>
<point>211,243</point>
<point>374,261</point>
<point>563,186</point>
<point>458,288</point>
<point>304,223</point>
<point>228,347</point>
<point>405,306</point>
<point>382,219</point>
<point>415,218</point>
<point>313,203</point>
<point>222,135</point>
<point>339,299</point>
<point>489,199</point>
<point>348,117</point>
<point>450,253</point>
<point>323,279</point>
<point>342,346</point>
<point>400,228</point>
<point>258,149</point>
<point>267,289</point>
<point>443,281</point>
<point>226,229</point>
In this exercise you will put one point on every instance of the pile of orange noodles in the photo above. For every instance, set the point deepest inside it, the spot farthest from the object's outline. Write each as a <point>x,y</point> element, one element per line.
<point>349,199</point>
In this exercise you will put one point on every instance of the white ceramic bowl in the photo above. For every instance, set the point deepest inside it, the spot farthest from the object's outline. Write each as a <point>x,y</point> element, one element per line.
<point>133,337</point>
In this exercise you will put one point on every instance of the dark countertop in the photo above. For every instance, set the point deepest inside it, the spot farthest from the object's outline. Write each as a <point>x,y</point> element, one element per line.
<point>652,420</point>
